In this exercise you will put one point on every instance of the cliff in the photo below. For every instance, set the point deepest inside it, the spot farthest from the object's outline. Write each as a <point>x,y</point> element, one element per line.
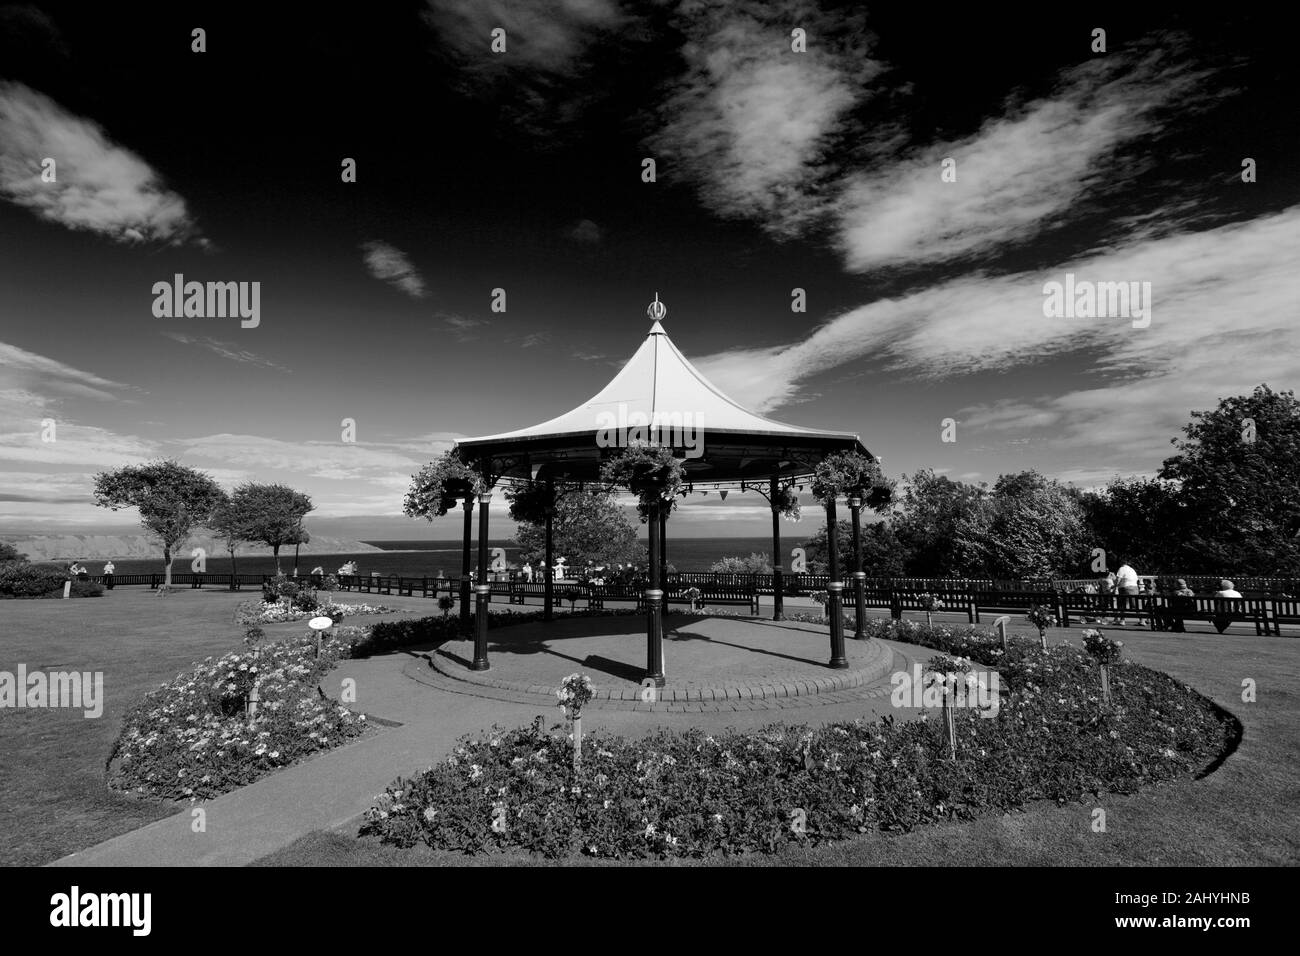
<point>92,547</point>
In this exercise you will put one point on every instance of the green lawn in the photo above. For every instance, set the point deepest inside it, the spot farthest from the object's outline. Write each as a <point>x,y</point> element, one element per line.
<point>53,799</point>
<point>1242,814</point>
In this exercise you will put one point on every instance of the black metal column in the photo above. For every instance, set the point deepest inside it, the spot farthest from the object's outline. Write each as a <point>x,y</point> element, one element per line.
<point>654,666</point>
<point>465,565</point>
<point>859,575</point>
<point>778,581</point>
<point>482,590</point>
<point>834,587</point>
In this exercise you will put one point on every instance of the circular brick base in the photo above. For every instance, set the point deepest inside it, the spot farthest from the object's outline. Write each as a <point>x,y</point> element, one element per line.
<point>711,664</point>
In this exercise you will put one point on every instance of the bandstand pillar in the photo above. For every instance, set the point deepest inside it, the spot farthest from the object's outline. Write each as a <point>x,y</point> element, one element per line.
<point>548,600</point>
<point>465,565</point>
<point>834,589</point>
<point>859,575</point>
<point>482,590</point>
<point>778,581</point>
<point>654,666</point>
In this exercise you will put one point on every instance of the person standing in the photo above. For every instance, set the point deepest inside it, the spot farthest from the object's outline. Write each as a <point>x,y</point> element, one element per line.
<point>109,569</point>
<point>1126,579</point>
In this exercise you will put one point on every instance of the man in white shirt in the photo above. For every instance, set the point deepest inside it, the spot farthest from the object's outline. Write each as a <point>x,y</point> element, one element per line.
<point>1227,590</point>
<point>1126,582</point>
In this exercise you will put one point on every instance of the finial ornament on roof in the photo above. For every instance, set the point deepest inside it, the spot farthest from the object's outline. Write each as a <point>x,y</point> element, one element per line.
<point>657,310</point>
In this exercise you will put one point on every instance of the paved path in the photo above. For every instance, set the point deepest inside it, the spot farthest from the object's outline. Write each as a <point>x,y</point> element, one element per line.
<point>336,787</point>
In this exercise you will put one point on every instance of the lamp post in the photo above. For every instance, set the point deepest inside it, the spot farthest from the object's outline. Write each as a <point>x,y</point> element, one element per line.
<point>482,590</point>
<point>834,602</point>
<point>859,575</point>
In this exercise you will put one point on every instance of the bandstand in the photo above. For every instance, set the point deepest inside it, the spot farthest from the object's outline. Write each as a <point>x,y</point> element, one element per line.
<point>722,445</point>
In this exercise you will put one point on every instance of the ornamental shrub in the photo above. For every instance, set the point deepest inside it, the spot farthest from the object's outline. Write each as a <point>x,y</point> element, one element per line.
<point>18,579</point>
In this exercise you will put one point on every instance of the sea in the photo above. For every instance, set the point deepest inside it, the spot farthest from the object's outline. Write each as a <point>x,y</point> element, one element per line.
<point>420,558</point>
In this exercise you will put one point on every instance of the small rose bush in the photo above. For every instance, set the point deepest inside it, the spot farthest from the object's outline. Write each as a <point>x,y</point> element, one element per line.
<point>1101,648</point>
<point>693,794</point>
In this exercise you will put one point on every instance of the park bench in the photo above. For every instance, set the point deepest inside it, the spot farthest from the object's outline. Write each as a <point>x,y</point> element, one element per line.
<point>1006,602</point>
<point>1282,611</point>
<point>1217,611</point>
<point>739,595</point>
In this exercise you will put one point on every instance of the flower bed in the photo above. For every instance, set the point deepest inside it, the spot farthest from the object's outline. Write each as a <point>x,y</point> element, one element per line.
<point>277,612</point>
<point>692,794</point>
<point>192,738</point>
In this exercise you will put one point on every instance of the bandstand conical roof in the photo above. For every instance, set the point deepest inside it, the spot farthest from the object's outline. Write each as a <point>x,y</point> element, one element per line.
<point>659,382</point>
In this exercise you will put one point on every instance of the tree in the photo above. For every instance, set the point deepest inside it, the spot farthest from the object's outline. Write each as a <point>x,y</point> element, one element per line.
<point>172,500</point>
<point>588,525</point>
<point>1142,521</point>
<point>272,514</point>
<point>9,553</point>
<point>1238,477</point>
<point>754,564</point>
<point>1028,528</point>
<point>882,555</point>
<point>231,526</point>
<point>933,507</point>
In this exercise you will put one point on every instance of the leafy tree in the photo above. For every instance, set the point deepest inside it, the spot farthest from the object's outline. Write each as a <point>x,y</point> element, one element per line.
<point>9,553</point>
<point>933,507</point>
<point>1028,528</point>
<point>272,514</point>
<point>1238,476</point>
<point>754,564</point>
<point>588,525</point>
<point>1142,521</point>
<point>228,524</point>
<point>882,555</point>
<point>172,500</point>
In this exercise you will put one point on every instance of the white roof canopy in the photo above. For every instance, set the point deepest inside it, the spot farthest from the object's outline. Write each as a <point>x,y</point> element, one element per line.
<point>660,388</point>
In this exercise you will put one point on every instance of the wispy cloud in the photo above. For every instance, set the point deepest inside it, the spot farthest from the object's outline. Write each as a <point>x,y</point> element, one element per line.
<point>1223,321</point>
<point>390,264</point>
<point>1019,174</point>
<point>99,186</point>
<point>534,339</point>
<point>752,121</point>
<point>461,327</point>
<point>549,45</point>
<point>225,350</point>
<point>586,232</point>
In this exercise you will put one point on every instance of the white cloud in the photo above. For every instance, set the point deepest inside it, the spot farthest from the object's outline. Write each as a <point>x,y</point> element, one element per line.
<point>1014,177</point>
<point>100,186</point>
<point>225,350</point>
<point>391,265</point>
<point>1223,321</point>
<point>750,120</point>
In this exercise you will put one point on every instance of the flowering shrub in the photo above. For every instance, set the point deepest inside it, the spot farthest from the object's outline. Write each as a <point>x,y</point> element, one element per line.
<point>445,603</point>
<point>275,612</point>
<point>192,738</point>
<point>1101,648</point>
<point>692,794</point>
